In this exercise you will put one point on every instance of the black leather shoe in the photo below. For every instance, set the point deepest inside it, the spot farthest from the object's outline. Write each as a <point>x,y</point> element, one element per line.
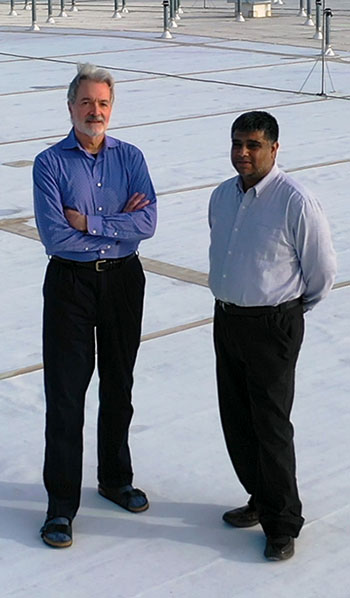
<point>242,517</point>
<point>279,548</point>
<point>131,499</point>
<point>57,532</point>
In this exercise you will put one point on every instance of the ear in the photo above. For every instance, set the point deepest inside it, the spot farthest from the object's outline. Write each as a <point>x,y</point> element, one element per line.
<point>275,147</point>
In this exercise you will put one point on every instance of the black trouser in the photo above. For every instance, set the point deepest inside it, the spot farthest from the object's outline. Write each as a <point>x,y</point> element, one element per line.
<point>78,302</point>
<point>256,358</point>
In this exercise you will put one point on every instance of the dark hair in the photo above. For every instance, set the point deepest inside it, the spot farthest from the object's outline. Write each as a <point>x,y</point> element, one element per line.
<point>257,121</point>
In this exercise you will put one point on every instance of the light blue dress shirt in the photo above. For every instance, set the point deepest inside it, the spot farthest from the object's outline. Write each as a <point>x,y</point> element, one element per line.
<point>270,244</point>
<point>67,176</point>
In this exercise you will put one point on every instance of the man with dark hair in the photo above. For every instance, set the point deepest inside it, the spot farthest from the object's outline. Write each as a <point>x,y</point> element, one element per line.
<point>257,121</point>
<point>271,260</point>
<point>94,202</point>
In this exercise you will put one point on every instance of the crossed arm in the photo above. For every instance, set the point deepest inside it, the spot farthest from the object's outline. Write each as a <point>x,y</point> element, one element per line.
<point>79,221</point>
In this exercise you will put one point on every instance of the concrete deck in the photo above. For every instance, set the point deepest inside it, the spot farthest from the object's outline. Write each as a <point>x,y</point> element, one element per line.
<point>209,18</point>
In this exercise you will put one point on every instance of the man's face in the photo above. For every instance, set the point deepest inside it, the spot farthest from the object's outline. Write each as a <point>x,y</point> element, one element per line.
<point>92,108</point>
<point>252,155</point>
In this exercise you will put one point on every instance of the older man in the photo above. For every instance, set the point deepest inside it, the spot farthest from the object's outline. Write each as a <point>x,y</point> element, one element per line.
<point>94,202</point>
<point>271,259</point>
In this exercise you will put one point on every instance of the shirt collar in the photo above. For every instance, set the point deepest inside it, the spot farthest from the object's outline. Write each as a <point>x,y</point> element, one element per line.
<point>262,184</point>
<point>71,141</point>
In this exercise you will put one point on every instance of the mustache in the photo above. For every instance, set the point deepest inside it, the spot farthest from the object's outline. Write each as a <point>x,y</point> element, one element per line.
<point>95,119</point>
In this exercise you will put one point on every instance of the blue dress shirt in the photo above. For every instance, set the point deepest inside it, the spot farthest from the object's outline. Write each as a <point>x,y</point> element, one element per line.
<point>67,176</point>
<point>270,244</point>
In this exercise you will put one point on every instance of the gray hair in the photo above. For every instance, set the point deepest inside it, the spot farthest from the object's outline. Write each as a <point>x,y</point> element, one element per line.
<point>89,72</point>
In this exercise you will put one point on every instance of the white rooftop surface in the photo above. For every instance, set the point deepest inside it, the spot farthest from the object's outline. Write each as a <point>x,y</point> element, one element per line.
<point>179,548</point>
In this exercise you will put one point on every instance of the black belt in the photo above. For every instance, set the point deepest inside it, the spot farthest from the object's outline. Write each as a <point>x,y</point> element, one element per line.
<point>97,265</point>
<point>237,310</point>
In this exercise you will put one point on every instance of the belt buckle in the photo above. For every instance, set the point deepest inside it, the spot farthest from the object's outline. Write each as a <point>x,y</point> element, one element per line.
<point>97,265</point>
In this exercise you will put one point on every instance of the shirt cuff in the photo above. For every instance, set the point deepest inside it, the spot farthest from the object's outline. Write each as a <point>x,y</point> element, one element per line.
<point>94,225</point>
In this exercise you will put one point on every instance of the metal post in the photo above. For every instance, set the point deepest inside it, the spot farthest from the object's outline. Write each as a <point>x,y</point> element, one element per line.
<point>50,18</point>
<point>239,17</point>
<point>124,9</point>
<point>172,22</point>
<point>34,26</point>
<point>73,7</point>
<point>328,48</point>
<point>12,12</point>
<point>318,32</point>
<point>176,10</point>
<point>323,51</point>
<point>302,12</point>
<point>63,12</point>
<point>27,5</point>
<point>180,9</point>
<point>116,14</point>
<point>278,2</point>
<point>309,22</point>
<point>166,33</point>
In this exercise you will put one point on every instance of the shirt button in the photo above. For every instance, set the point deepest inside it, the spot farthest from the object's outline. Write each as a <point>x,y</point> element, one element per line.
<point>115,234</point>
<point>243,207</point>
<point>229,252</point>
<point>99,184</point>
<point>236,229</point>
<point>103,251</point>
<point>224,276</point>
<point>86,249</point>
<point>94,232</point>
<point>108,246</point>
<point>100,209</point>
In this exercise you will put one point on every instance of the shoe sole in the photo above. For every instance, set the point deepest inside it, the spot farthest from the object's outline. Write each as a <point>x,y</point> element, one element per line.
<point>54,544</point>
<point>135,510</point>
<point>243,524</point>
<point>281,558</point>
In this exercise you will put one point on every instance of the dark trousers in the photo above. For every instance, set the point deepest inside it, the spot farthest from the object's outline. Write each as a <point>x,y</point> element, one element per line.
<point>256,359</point>
<point>81,306</point>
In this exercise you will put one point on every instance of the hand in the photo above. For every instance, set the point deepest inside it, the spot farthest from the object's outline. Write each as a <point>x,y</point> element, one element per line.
<point>76,220</point>
<point>136,202</point>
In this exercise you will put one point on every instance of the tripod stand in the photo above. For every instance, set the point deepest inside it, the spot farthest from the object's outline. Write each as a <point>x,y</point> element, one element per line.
<point>326,14</point>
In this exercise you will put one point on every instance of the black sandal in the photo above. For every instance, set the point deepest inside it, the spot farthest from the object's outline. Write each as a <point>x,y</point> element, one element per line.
<point>57,533</point>
<point>131,499</point>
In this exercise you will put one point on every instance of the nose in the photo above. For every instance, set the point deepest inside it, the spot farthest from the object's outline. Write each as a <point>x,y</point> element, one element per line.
<point>243,150</point>
<point>239,150</point>
<point>94,108</point>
